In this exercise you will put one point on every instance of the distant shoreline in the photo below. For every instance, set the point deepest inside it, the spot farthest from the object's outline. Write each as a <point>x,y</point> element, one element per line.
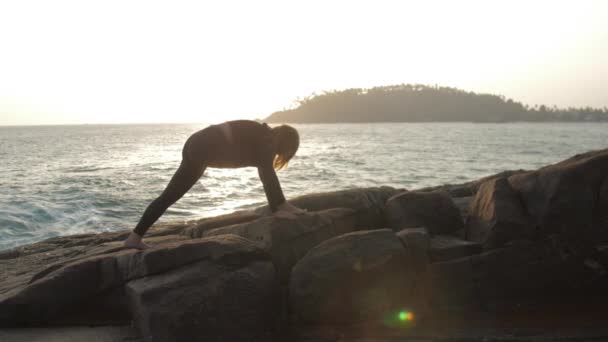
<point>430,122</point>
<point>299,123</point>
<point>423,103</point>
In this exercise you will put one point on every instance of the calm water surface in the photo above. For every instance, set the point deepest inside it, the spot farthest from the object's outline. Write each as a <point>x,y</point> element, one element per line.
<point>59,180</point>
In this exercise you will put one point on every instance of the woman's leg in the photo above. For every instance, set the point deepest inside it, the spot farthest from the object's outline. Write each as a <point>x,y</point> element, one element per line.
<point>184,178</point>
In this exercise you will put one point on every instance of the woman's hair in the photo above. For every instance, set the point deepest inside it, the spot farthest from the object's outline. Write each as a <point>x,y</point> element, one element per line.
<point>288,141</point>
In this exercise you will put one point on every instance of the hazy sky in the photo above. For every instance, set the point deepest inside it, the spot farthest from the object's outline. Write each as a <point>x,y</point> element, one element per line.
<point>209,61</point>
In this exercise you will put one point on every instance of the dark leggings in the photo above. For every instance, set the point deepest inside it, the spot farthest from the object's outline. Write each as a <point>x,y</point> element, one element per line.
<point>187,174</point>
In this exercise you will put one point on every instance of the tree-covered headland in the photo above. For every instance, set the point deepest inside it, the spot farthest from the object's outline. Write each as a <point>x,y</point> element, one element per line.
<point>423,103</point>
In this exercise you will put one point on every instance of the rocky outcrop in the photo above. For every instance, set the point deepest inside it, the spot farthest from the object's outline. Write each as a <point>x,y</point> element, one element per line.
<point>368,204</point>
<point>510,276</point>
<point>504,243</point>
<point>564,198</point>
<point>288,240</point>
<point>497,216</point>
<point>69,283</point>
<point>230,300</point>
<point>433,210</point>
<point>355,277</point>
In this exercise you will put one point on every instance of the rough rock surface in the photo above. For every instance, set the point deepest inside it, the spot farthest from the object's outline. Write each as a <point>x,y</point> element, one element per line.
<point>198,228</point>
<point>564,197</point>
<point>446,247</point>
<point>368,204</point>
<point>288,240</point>
<point>433,210</point>
<point>511,275</point>
<point>359,276</point>
<point>229,300</point>
<point>469,189</point>
<point>69,283</point>
<point>417,242</point>
<point>463,204</point>
<point>497,216</point>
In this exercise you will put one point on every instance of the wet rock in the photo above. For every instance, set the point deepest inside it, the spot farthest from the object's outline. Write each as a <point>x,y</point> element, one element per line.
<point>445,247</point>
<point>433,210</point>
<point>358,276</point>
<point>288,240</point>
<point>368,204</point>
<point>9,254</point>
<point>91,240</point>
<point>222,300</point>
<point>497,216</point>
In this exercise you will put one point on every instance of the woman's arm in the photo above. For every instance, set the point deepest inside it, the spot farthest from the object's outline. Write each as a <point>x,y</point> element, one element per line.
<point>271,184</point>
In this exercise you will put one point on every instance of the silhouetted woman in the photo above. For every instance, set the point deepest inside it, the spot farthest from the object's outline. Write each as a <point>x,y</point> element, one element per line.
<point>232,144</point>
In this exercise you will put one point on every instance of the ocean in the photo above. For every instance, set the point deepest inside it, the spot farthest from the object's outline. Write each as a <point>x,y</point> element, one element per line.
<point>60,180</point>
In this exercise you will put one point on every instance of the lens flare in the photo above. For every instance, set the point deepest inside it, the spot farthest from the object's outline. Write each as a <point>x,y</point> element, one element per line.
<point>405,316</point>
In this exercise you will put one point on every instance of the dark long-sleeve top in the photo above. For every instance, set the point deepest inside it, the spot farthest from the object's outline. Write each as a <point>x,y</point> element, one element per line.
<point>240,143</point>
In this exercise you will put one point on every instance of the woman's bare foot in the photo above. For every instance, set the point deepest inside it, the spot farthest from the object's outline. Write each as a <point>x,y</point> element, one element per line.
<point>134,241</point>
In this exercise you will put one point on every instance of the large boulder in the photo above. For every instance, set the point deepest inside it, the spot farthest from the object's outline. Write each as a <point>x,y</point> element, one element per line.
<point>523,271</point>
<point>368,204</point>
<point>38,297</point>
<point>288,240</point>
<point>355,277</point>
<point>496,216</point>
<point>564,198</point>
<point>433,210</point>
<point>225,300</point>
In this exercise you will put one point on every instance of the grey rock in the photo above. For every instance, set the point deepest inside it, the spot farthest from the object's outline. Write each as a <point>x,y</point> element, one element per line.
<point>358,276</point>
<point>445,247</point>
<point>198,228</point>
<point>288,240</point>
<point>368,204</point>
<point>433,210</point>
<point>563,198</point>
<point>497,216</point>
<point>417,243</point>
<point>207,301</point>
<point>39,296</point>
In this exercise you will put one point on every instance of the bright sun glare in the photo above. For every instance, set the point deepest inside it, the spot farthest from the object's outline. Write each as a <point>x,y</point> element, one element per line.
<point>190,61</point>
